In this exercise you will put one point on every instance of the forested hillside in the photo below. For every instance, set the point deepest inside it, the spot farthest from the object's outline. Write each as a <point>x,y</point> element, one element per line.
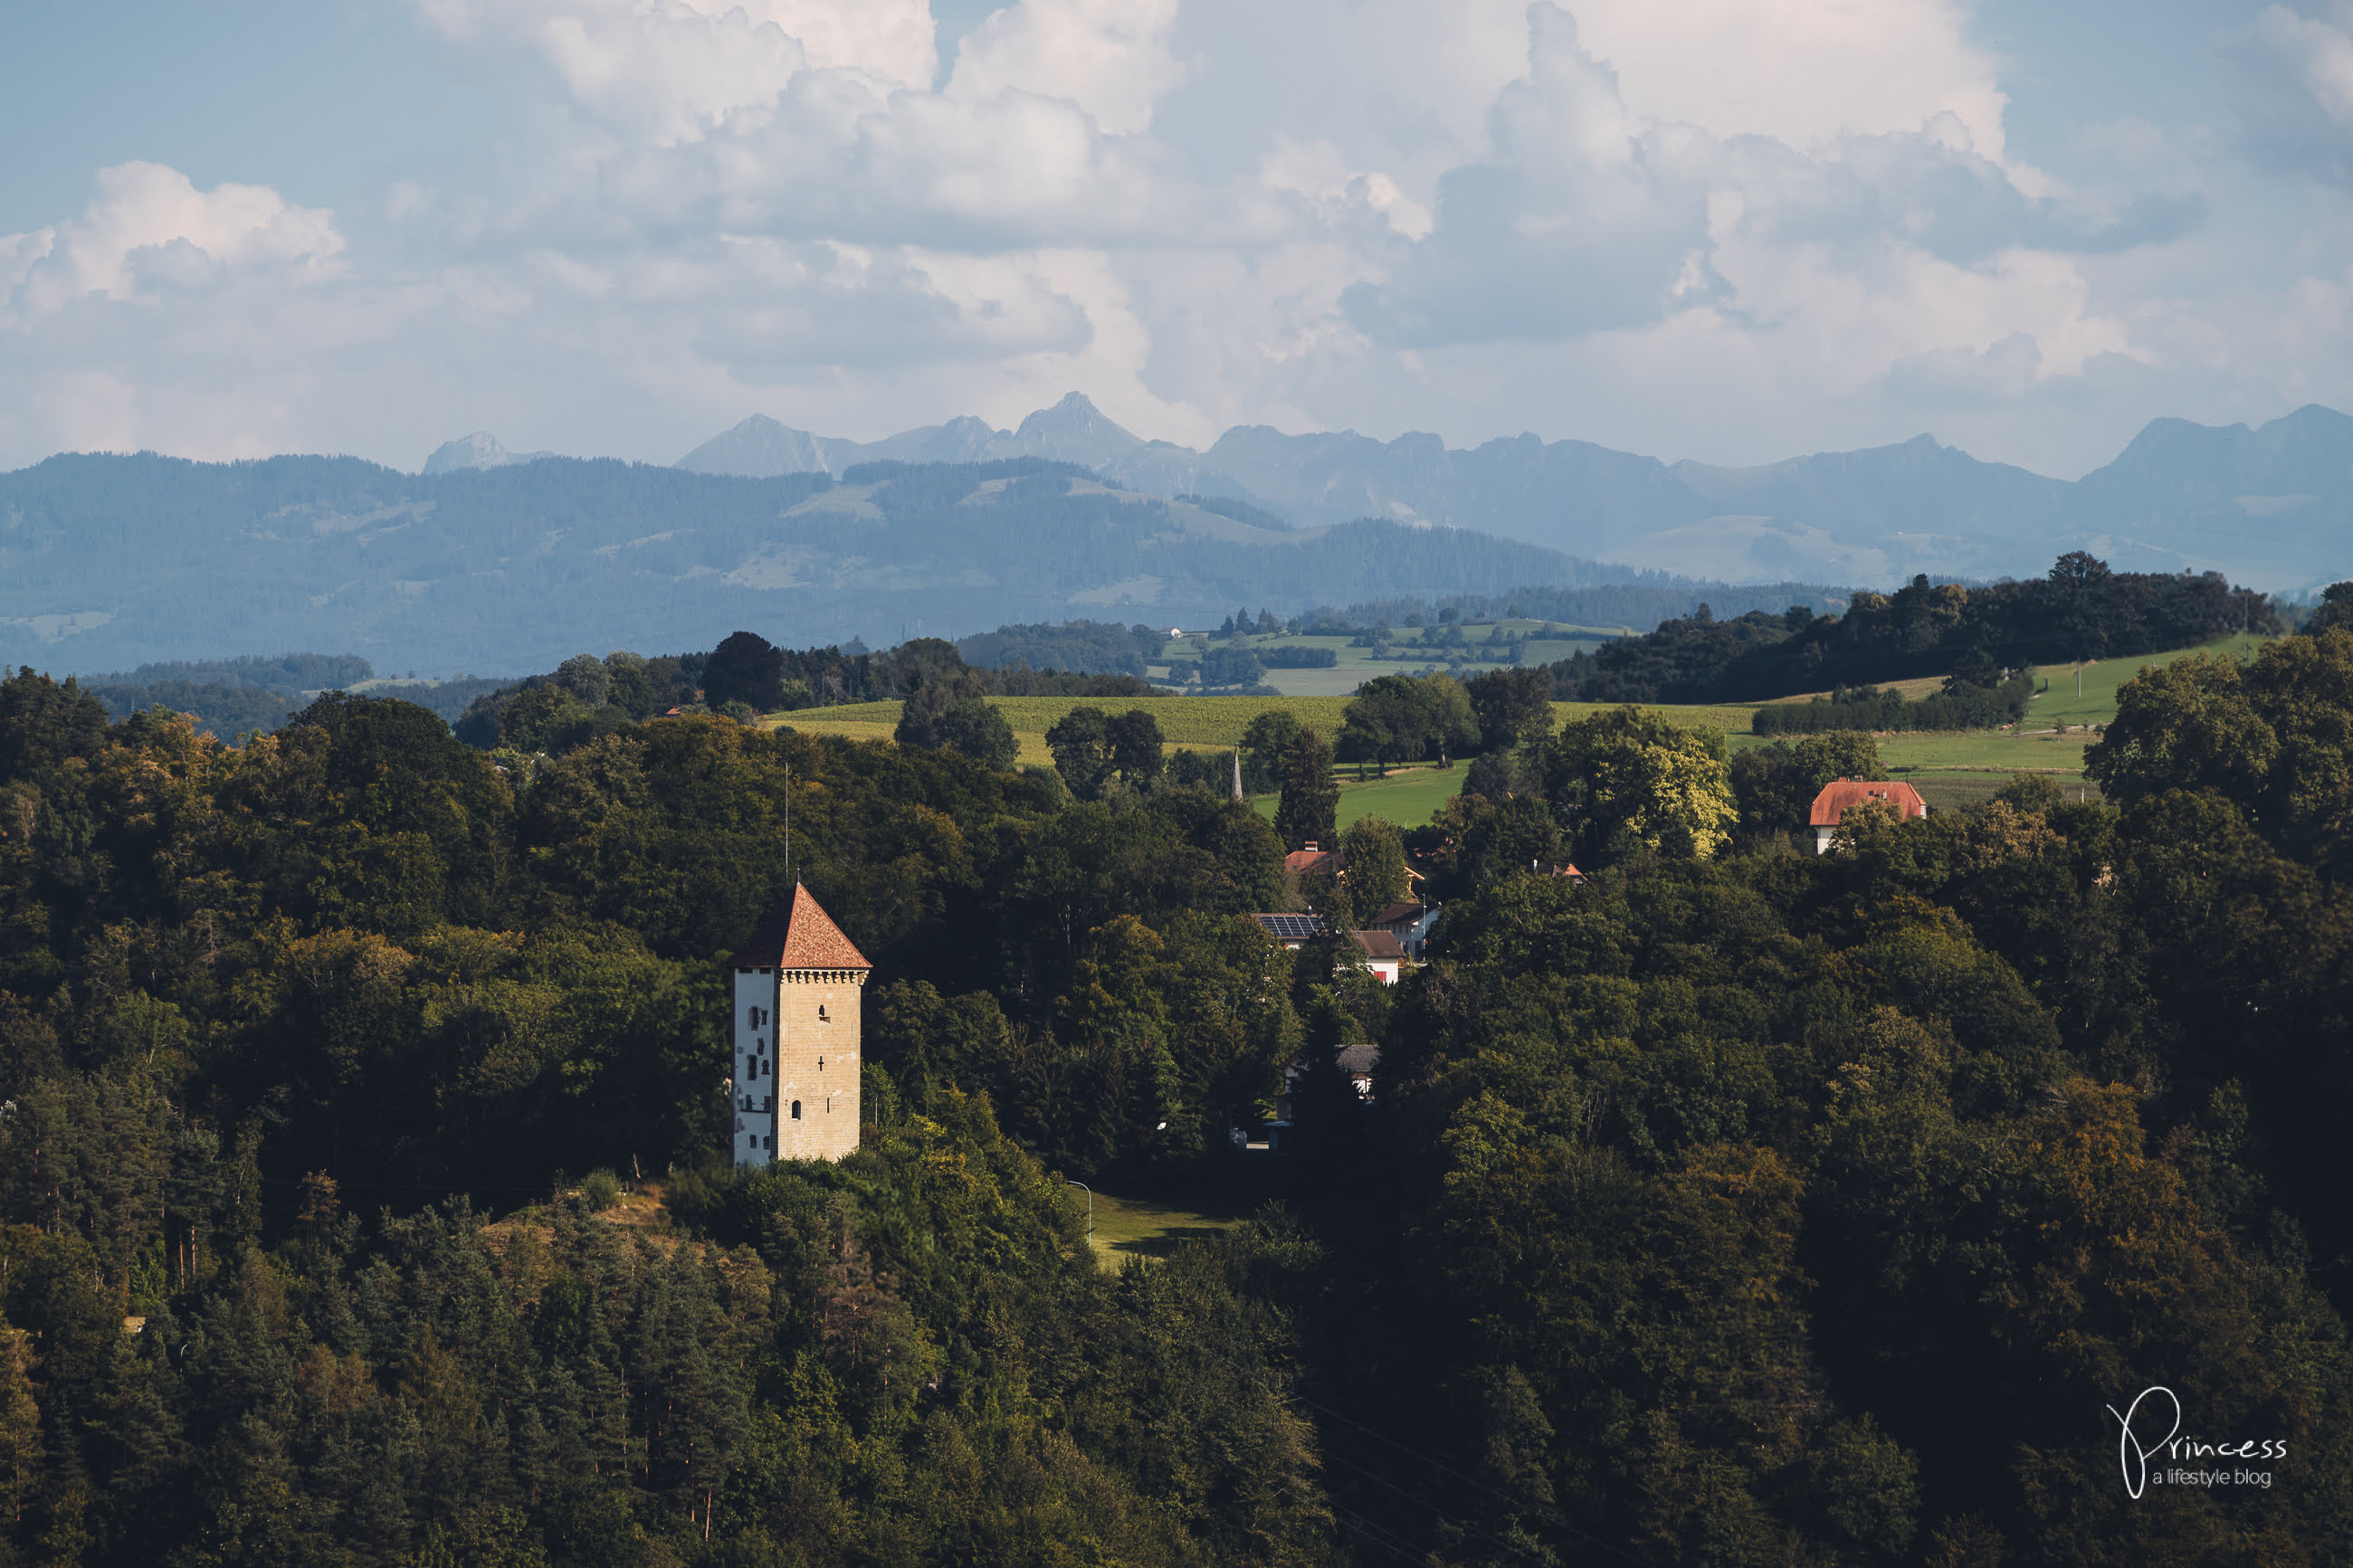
<point>1729,1206</point>
<point>2080,610</point>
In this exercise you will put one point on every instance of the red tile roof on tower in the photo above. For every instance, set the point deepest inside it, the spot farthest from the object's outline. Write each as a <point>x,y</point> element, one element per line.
<point>1836,796</point>
<point>799,935</point>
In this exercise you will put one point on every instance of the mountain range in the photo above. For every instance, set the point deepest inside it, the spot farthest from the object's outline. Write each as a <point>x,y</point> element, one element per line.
<point>2269,507</point>
<point>109,561</point>
<point>495,562</point>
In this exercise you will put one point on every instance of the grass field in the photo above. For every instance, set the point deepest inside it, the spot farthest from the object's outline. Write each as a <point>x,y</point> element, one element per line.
<point>1949,769</point>
<point>1961,768</point>
<point>1409,797</point>
<point>2097,705</point>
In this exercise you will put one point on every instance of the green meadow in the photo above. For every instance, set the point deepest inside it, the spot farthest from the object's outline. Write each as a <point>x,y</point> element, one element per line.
<point>1950,769</point>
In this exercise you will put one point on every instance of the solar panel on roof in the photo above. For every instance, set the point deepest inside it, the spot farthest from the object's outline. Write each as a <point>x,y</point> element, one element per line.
<point>1292,927</point>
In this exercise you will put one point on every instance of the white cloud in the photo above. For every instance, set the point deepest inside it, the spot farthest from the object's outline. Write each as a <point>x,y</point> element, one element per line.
<point>1805,73</point>
<point>149,227</point>
<point>1109,56</point>
<point>674,70</point>
<point>1317,172</point>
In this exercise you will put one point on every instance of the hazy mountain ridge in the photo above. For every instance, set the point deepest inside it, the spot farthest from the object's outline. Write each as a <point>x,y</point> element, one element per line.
<point>2267,506</point>
<point>107,561</point>
<point>497,562</point>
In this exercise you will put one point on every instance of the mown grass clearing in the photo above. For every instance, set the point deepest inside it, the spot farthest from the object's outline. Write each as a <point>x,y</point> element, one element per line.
<point>1149,1228</point>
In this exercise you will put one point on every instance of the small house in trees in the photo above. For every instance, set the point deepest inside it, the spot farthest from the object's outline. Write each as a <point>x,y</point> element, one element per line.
<point>1379,951</point>
<point>795,986</point>
<point>1312,859</point>
<point>1382,952</point>
<point>1839,795</point>
<point>1409,921</point>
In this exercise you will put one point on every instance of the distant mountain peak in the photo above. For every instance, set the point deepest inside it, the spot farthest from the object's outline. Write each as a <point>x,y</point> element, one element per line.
<point>760,448</point>
<point>479,450</point>
<point>1074,431</point>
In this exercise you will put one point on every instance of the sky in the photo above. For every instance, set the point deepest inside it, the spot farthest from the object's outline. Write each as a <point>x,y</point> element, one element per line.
<point>1727,230</point>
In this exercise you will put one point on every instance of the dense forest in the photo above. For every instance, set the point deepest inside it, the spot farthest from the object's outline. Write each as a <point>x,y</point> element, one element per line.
<point>587,697</point>
<point>1643,599</point>
<point>1082,647</point>
<point>1727,1205</point>
<point>228,697</point>
<point>2080,610</point>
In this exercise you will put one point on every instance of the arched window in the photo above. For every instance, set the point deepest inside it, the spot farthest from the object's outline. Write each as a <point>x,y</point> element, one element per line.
<point>796,1110</point>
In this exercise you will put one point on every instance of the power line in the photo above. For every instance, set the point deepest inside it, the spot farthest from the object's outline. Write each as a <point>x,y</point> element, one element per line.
<point>1362,1526</point>
<point>1444,1518</point>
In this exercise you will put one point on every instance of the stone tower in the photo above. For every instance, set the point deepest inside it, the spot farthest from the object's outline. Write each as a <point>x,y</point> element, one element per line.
<point>796,985</point>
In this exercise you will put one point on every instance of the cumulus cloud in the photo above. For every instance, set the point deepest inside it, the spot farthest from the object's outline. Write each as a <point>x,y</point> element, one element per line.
<point>1109,56</point>
<point>149,227</point>
<point>1793,221</point>
<point>1585,216</point>
<point>674,70</point>
<point>1806,72</point>
<point>1588,215</point>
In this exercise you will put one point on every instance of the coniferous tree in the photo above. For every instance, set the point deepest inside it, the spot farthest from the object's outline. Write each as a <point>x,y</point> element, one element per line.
<point>1311,795</point>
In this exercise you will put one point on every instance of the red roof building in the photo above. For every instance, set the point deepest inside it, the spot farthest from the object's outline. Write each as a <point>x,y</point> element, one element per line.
<point>1315,857</point>
<point>1830,806</point>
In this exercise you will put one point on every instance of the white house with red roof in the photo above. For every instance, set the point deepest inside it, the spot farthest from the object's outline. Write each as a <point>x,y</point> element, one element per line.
<point>1839,795</point>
